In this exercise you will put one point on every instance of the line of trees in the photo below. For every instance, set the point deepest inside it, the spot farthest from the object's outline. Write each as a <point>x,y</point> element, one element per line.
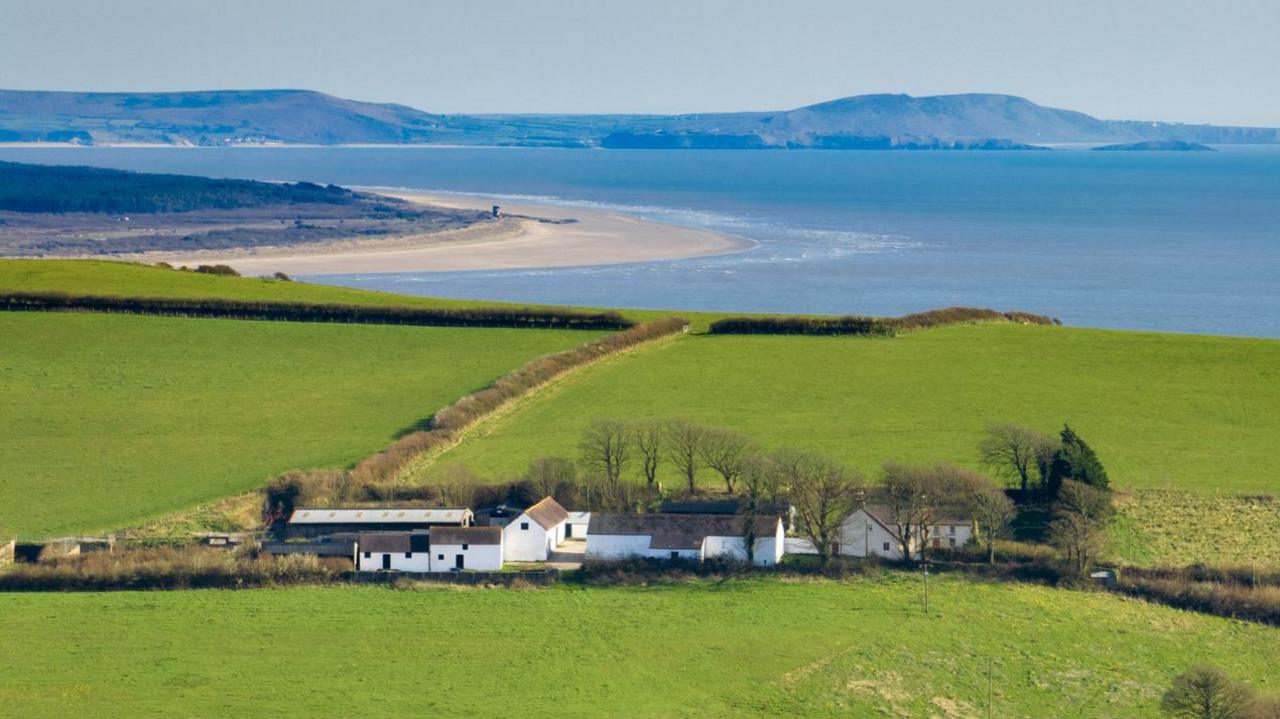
<point>306,312</point>
<point>871,326</point>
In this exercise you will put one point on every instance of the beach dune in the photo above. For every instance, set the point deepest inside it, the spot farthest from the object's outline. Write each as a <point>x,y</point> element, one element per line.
<point>524,236</point>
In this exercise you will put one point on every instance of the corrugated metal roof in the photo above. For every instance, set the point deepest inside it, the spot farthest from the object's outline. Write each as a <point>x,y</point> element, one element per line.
<point>379,515</point>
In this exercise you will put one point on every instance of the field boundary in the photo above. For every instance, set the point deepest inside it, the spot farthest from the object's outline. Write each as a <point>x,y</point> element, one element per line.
<point>313,312</point>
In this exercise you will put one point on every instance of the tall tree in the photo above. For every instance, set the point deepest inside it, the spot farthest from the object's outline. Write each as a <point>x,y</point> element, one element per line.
<point>649,436</point>
<point>1206,692</point>
<point>1079,525</point>
<point>1075,460</point>
<point>1012,452</point>
<point>547,474</point>
<point>606,449</point>
<point>823,493</point>
<point>726,452</point>
<point>755,481</point>
<point>683,443</point>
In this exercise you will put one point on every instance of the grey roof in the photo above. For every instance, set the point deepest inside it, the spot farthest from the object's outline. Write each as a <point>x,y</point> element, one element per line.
<point>380,515</point>
<point>729,506</point>
<point>884,516</point>
<point>678,531</point>
<point>392,542</point>
<point>547,513</point>
<point>466,535</point>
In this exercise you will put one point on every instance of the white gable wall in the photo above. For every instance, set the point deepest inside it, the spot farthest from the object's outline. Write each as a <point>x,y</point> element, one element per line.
<point>524,540</point>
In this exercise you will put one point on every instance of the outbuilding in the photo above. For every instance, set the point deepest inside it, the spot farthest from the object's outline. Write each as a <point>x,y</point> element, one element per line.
<point>694,537</point>
<point>577,526</point>
<point>458,548</point>
<point>536,532</point>
<point>393,551</point>
<point>319,522</point>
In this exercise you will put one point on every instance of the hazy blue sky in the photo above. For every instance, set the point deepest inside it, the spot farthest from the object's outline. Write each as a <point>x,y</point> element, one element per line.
<point>1202,61</point>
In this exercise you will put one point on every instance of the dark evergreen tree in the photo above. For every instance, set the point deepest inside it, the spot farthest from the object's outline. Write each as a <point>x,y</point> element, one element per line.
<point>1075,460</point>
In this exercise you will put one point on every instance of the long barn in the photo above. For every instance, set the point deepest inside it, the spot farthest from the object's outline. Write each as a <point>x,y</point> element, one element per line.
<point>319,522</point>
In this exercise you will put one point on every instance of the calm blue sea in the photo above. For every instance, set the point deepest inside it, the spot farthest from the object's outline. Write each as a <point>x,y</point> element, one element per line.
<point>1185,242</point>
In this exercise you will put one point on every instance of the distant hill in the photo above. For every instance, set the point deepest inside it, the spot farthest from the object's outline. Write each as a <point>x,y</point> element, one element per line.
<point>60,189</point>
<point>1157,146</point>
<point>246,117</point>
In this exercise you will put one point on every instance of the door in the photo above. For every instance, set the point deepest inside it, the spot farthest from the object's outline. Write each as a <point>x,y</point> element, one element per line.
<point>458,561</point>
<point>386,561</point>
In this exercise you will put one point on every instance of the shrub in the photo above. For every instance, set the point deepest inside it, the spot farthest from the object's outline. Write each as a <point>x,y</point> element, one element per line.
<point>222,270</point>
<point>870,326</point>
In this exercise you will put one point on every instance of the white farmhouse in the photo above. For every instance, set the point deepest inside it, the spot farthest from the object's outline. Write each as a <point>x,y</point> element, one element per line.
<point>695,537</point>
<point>532,536</point>
<point>870,531</point>
<point>456,548</point>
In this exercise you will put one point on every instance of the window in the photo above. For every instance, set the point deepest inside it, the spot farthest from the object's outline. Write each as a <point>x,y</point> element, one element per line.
<point>937,531</point>
<point>953,541</point>
<point>953,529</point>
<point>524,525</point>
<point>675,555</point>
<point>440,557</point>
<point>408,555</point>
<point>886,546</point>
<point>464,547</point>
<point>368,555</point>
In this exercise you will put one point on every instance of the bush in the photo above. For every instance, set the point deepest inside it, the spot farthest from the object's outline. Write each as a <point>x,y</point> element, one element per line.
<point>223,270</point>
<point>870,326</point>
<point>169,568</point>
<point>1236,601</point>
<point>305,312</point>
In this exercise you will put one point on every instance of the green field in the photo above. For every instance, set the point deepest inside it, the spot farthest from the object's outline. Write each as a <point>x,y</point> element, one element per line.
<point>1162,410</point>
<point>112,419</point>
<point>745,648</point>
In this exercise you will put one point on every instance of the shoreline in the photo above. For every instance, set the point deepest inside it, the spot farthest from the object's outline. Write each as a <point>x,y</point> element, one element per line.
<point>525,236</point>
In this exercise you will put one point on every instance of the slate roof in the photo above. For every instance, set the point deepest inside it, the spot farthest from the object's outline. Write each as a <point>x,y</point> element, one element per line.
<point>547,513</point>
<point>387,542</point>
<point>678,531</point>
<point>466,535</point>
<point>380,515</point>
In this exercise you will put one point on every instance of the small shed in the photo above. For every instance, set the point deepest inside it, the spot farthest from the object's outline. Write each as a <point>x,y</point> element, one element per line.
<point>577,526</point>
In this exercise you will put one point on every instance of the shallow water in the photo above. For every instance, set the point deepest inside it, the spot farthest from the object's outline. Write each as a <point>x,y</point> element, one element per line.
<point>1186,242</point>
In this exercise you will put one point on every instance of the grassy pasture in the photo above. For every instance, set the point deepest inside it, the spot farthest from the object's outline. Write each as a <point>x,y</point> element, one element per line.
<point>1158,527</point>
<point>746,648</point>
<point>1164,411</point>
<point>112,419</point>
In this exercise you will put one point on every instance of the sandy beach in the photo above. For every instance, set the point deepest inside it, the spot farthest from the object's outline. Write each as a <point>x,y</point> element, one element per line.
<point>526,236</point>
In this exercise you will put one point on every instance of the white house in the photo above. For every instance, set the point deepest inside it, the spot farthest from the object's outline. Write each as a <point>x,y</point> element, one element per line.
<point>683,536</point>
<point>444,549</point>
<point>532,536</point>
<point>466,548</point>
<point>871,531</point>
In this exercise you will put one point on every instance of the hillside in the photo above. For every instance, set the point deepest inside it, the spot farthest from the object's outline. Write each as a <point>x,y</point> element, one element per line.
<point>113,419</point>
<point>885,121</point>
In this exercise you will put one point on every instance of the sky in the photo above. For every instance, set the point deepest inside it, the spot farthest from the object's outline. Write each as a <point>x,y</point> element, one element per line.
<point>1173,60</point>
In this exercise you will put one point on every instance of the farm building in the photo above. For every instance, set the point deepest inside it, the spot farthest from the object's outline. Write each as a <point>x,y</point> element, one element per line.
<point>730,506</point>
<point>398,551</point>
<point>871,531</point>
<point>683,536</point>
<point>536,532</point>
<point>309,522</point>
<point>466,548</point>
<point>442,549</point>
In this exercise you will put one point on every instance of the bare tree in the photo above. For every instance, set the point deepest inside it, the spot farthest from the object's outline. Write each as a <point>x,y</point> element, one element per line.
<point>683,443</point>
<point>1012,451</point>
<point>1206,692</point>
<point>1079,525</point>
<point>918,497</point>
<point>606,449</point>
<point>649,436</point>
<point>726,452</point>
<point>993,513</point>
<point>755,479</point>
<point>459,486</point>
<point>823,493</point>
<point>547,474</point>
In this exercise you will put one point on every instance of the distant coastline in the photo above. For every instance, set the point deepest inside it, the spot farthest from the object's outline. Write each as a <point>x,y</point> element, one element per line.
<point>526,237</point>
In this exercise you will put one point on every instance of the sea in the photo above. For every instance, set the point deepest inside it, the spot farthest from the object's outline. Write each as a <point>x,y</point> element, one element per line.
<point>1167,241</point>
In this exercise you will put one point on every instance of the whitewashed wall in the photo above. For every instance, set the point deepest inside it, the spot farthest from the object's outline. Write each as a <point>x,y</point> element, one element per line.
<point>630,546</point>
<point>486,557</point>
<point>532,544</point>
<point>419,562</point>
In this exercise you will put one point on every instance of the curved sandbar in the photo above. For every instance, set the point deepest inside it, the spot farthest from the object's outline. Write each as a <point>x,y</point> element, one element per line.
<point>527,236</point>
